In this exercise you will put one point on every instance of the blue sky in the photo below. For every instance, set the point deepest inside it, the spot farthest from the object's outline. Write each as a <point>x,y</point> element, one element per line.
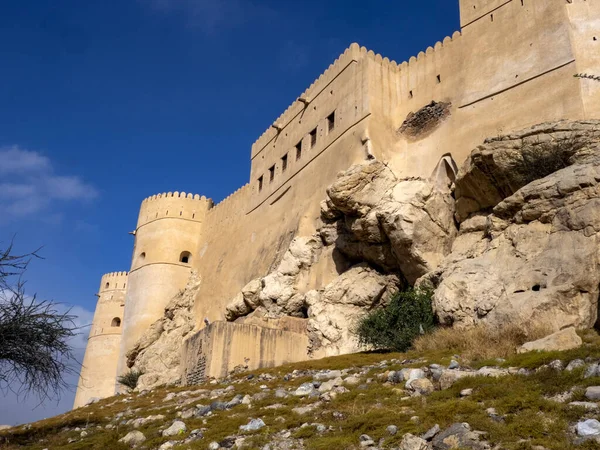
<point>105,102</point>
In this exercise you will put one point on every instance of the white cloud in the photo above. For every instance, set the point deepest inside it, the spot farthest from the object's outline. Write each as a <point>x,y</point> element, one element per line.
<point>29,184</point>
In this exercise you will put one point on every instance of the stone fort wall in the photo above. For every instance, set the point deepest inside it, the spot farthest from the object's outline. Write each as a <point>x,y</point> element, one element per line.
<point>512,65</point>
<point>495,75</point>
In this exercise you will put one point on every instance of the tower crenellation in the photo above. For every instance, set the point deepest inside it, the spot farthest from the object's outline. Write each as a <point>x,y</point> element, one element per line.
<point>174,205</point>
<point>113,281</point>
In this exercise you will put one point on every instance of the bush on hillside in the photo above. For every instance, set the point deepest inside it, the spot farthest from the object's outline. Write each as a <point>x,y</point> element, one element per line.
<point>396,326</point>
<point>130,379</point>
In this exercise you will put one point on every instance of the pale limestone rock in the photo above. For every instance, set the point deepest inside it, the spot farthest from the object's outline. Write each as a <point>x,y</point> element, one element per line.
<point>237,308</point>
<point>534,260</point>
<point>411,442</point>
<point>418,220</point>
<point>494,170</point>
<point>566,339</point>
<point>360,188</point>
<point>133,438</point>
<point>251,293</point>
<point>333,314</point>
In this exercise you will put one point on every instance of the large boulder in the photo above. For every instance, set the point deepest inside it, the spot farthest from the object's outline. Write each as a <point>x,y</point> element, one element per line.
<point>397,225</point>
<point>532,254</point>
<point>562,340</point>
<point>334,312</point>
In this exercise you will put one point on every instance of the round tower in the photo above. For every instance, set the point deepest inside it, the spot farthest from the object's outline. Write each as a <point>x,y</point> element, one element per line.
<point>99,368</point>
<point>167,237</point>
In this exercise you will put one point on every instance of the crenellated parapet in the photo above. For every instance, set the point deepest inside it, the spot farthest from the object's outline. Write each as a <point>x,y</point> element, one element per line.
<point>113,281</point>
<point>174,205</point>
<point>351,54</point>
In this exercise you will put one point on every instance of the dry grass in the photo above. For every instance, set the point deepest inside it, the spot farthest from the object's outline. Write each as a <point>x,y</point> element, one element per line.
<point>480,342</point>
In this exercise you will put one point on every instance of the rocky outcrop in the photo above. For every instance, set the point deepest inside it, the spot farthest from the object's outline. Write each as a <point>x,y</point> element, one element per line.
<point>527,250</point>
<point>397,225</point>
<point>388,231</point>
<point>512,237</point>
<point>157,353</point>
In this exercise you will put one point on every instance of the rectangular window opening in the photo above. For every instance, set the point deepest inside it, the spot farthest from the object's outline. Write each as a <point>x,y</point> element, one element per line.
<point>298,150</point>
<point>313,138</point>
<point>439,78</point>
<point>271,174</point>
<point>260,183</point>
<point>331,122</point>
<point>284,160</point>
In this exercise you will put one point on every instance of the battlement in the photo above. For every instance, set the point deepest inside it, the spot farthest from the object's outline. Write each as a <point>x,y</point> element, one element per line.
<point>113,281</point>
<point>351,54</point>
<point>174,205</point>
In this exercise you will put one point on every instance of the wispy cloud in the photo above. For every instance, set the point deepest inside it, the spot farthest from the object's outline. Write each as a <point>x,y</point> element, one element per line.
<point>213,16</point>
<point>29,184</point>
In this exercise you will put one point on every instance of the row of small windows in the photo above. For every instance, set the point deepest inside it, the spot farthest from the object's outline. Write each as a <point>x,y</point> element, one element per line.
<point>107,285</point>
<point>438,79</point>
<point>184,257</point>
<point>298,150</point>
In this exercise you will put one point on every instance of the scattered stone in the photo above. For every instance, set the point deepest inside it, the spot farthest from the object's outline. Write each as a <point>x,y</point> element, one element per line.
<point>304,389</point>
<point>202,410</point>
<point>562,340</point>
<point>411,442</point>
<point>575,364</point>
<point>83,434</point>
<point>453,365</point>
<point>366,441</point>
<point>422,386</point>
<point>352,380</point>
<point>133,438</point>
<point>586,405</point>
<point>457,436</point>
<point>592,393</point>
<point>253,425</point>
<point>466,392</point>
<point>178,427</point>
<point>167,445</point>
<point>392,430</point>
<point>590,427</point>
<point>214,446</point>
<point>327,375</point>
<point>593,370</point>
<point>557,365</point>
<point>431,433</point>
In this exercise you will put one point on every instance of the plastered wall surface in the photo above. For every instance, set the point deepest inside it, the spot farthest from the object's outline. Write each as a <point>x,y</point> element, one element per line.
<point>99,367</point>
<point>169,226</point>
<point>511,66</point>
<point>219,348</point>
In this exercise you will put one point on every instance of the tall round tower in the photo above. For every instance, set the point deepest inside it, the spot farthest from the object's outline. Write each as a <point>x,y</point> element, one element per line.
<point>167,237</point>
<point>99,369</point>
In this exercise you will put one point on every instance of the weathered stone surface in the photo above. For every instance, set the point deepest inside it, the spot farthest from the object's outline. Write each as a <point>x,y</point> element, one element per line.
<point>133,438</point>
<point>178,427</point>
<point>157,353</point>
<point>534,259</point>
<point>411,442</point>
<point>559,341</point>
<point>458,436</point>
<point>333,313</point>
<point>501,166</point>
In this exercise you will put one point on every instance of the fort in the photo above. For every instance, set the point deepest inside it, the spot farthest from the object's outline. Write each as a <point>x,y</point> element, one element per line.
<point>511,66</point>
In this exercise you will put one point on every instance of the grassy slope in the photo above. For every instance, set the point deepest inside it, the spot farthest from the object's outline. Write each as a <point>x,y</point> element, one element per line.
<point>530,417</point>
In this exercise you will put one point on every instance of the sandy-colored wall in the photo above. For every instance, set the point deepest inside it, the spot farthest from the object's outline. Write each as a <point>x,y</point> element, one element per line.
<point>99,368</point>
<point>584,17</point>
<point>222,346</point>
<point>500,75</point>
<point>245,235</point>
<point>168,225</point>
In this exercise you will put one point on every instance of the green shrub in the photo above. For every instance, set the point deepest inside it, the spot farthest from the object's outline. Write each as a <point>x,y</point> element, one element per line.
<point>394,327</point>
<point>130,379</point>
